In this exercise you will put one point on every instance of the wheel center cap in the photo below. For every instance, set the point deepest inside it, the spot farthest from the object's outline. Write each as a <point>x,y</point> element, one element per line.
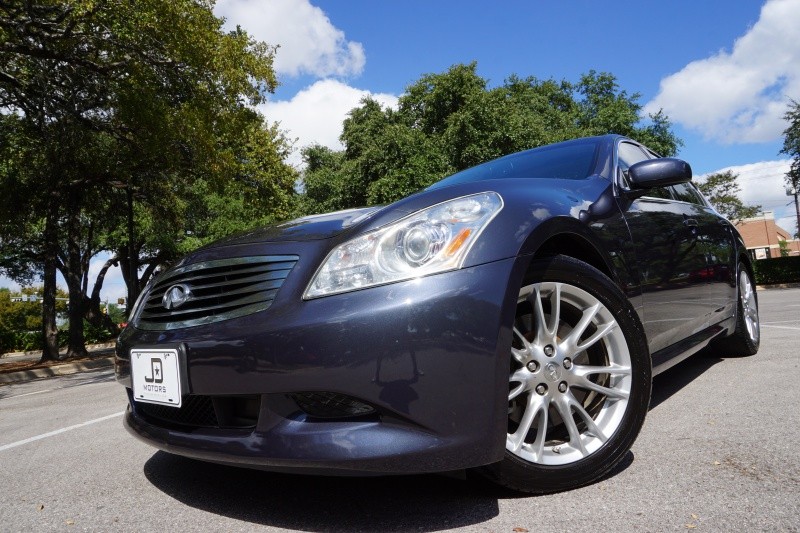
<point>552,371</point>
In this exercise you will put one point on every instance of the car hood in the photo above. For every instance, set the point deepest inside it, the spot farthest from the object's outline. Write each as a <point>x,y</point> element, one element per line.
<point>310,228</point>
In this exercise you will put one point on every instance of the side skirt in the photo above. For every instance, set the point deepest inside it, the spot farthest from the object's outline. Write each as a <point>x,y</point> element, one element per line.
<point>672,355</point>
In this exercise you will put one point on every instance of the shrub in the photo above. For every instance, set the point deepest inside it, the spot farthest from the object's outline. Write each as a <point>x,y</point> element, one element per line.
<point>777,270</point>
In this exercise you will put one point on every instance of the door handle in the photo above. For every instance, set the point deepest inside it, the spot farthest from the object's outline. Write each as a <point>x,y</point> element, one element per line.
<point>691,222</point>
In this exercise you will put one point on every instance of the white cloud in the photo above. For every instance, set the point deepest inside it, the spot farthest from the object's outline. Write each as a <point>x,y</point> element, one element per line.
<point>740,96</point>
<point>315,114</point>
<point>309,43</point>
<point>764,184</point>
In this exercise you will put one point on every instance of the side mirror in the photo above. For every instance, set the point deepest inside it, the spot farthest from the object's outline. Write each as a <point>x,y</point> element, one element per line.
<point>659,173</point>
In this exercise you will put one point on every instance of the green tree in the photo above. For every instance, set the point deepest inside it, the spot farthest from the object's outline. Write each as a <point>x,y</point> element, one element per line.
<point>451,121</point>
<point>21,318</point>
<point>723,191</point>
<point>118,116</point>
<point>791,147</point>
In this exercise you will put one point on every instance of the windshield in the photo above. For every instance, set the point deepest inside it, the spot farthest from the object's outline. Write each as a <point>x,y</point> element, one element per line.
<point>569,161</point>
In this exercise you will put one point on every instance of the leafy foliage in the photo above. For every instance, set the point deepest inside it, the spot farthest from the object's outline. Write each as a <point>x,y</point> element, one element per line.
<point>722,190</point>
<point>791,143</point>
<point>451,121</point>
<point>20,321</point>
<point>128,128</point>
<point>777,270</point>
<point>791,146</point>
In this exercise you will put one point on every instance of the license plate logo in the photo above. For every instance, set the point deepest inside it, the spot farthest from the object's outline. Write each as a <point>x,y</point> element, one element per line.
<point>156,376</point>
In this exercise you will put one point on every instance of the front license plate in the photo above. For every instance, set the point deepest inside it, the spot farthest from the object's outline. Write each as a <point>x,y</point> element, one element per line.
<point>156,376</point>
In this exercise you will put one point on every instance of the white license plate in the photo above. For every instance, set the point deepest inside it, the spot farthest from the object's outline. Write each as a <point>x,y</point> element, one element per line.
<point>156,376</point>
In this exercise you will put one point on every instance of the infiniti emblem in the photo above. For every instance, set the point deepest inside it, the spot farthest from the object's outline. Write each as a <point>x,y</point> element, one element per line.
<point>553,371</point>
<point>176,296</point>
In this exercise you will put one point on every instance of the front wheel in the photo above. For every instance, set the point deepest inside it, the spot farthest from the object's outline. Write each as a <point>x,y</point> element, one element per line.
<point>579,382</point>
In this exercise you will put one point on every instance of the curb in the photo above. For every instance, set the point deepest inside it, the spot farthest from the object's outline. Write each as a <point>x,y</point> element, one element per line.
<point>57,370</point>
<point>89,348</point>
<point>778,286</point>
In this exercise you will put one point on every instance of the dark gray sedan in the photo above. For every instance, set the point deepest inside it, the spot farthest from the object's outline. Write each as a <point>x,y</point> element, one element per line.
<point>507,320</point>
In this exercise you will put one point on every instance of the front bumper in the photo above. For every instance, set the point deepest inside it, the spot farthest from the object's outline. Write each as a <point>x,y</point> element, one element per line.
<point>429,355</point>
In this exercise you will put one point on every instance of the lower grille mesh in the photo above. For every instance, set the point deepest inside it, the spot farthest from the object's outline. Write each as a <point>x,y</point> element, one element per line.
<point>195,411</point>
<point>198,411</point>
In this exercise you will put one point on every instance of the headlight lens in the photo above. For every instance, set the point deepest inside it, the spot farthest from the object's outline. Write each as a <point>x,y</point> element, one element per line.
<point>429,241</point>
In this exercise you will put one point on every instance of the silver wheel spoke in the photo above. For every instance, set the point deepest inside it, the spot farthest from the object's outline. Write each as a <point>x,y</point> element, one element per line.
<point>516,391</point>
<point>521,356</point>
<point>519,376</point>
<point>602,331</point>
<point>614,370</point>
<point>587,419</point>
<point>555,310</point>
<point>522,338</point>
<point>533,407</point>
<point>577,332</point>
<point>541,320</point>
<point>615,394</point>
<point>566,416</point>
<point>541,434</point>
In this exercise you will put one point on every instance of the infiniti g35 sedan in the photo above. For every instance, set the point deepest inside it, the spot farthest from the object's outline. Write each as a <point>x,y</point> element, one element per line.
<point>507,320</point>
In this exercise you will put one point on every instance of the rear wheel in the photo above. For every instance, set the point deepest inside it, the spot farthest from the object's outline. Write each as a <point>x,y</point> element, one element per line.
<point>579,382</point>
<point>746,337</point>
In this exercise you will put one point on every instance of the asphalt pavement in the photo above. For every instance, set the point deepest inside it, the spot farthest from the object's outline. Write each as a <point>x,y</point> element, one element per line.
<point>718,452</point>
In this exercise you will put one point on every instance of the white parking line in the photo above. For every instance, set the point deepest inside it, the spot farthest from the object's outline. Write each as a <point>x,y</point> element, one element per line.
<point>779,327</point>
<point>58,431</point>
<point>30,393</point>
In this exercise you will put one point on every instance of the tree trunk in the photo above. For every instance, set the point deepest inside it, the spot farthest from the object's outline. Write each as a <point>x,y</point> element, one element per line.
<point>92,305</point>
<point>49,328</point>
<point>73,273</point>
<point>133,255</point>
<point>76,345</point>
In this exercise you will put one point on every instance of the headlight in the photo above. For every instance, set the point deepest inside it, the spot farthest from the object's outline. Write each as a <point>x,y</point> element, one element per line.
<point>433,240</point>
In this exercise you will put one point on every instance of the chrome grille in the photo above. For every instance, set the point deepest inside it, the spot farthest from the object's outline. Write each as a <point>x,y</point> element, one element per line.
<point>217,290</point>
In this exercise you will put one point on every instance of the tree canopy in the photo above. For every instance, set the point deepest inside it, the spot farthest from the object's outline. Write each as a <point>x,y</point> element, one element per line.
<point>791,147</point>
<point>451,121</point>
<point>723,191</point>
<point>128,127</point>
<point>791,143</point>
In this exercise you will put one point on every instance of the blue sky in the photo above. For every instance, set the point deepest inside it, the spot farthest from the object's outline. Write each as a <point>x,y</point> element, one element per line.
<point>639,43</point>
<point>722,70</point>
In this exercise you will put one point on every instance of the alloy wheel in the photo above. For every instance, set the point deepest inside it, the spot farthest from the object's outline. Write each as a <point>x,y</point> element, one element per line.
<point>571,375</point>
<point>749,306</point>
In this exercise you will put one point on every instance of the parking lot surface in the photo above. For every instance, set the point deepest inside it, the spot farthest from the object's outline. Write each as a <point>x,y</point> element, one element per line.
<point>718,452</point>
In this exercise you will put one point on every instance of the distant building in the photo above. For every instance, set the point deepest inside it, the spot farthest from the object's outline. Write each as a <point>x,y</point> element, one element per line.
<point>763,237</point>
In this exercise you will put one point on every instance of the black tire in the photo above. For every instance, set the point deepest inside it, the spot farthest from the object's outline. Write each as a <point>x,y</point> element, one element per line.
<point>746,338</point>
<point>543,462</point>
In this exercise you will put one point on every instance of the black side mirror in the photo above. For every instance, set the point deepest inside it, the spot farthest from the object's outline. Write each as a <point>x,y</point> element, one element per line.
<point>659,173</point>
